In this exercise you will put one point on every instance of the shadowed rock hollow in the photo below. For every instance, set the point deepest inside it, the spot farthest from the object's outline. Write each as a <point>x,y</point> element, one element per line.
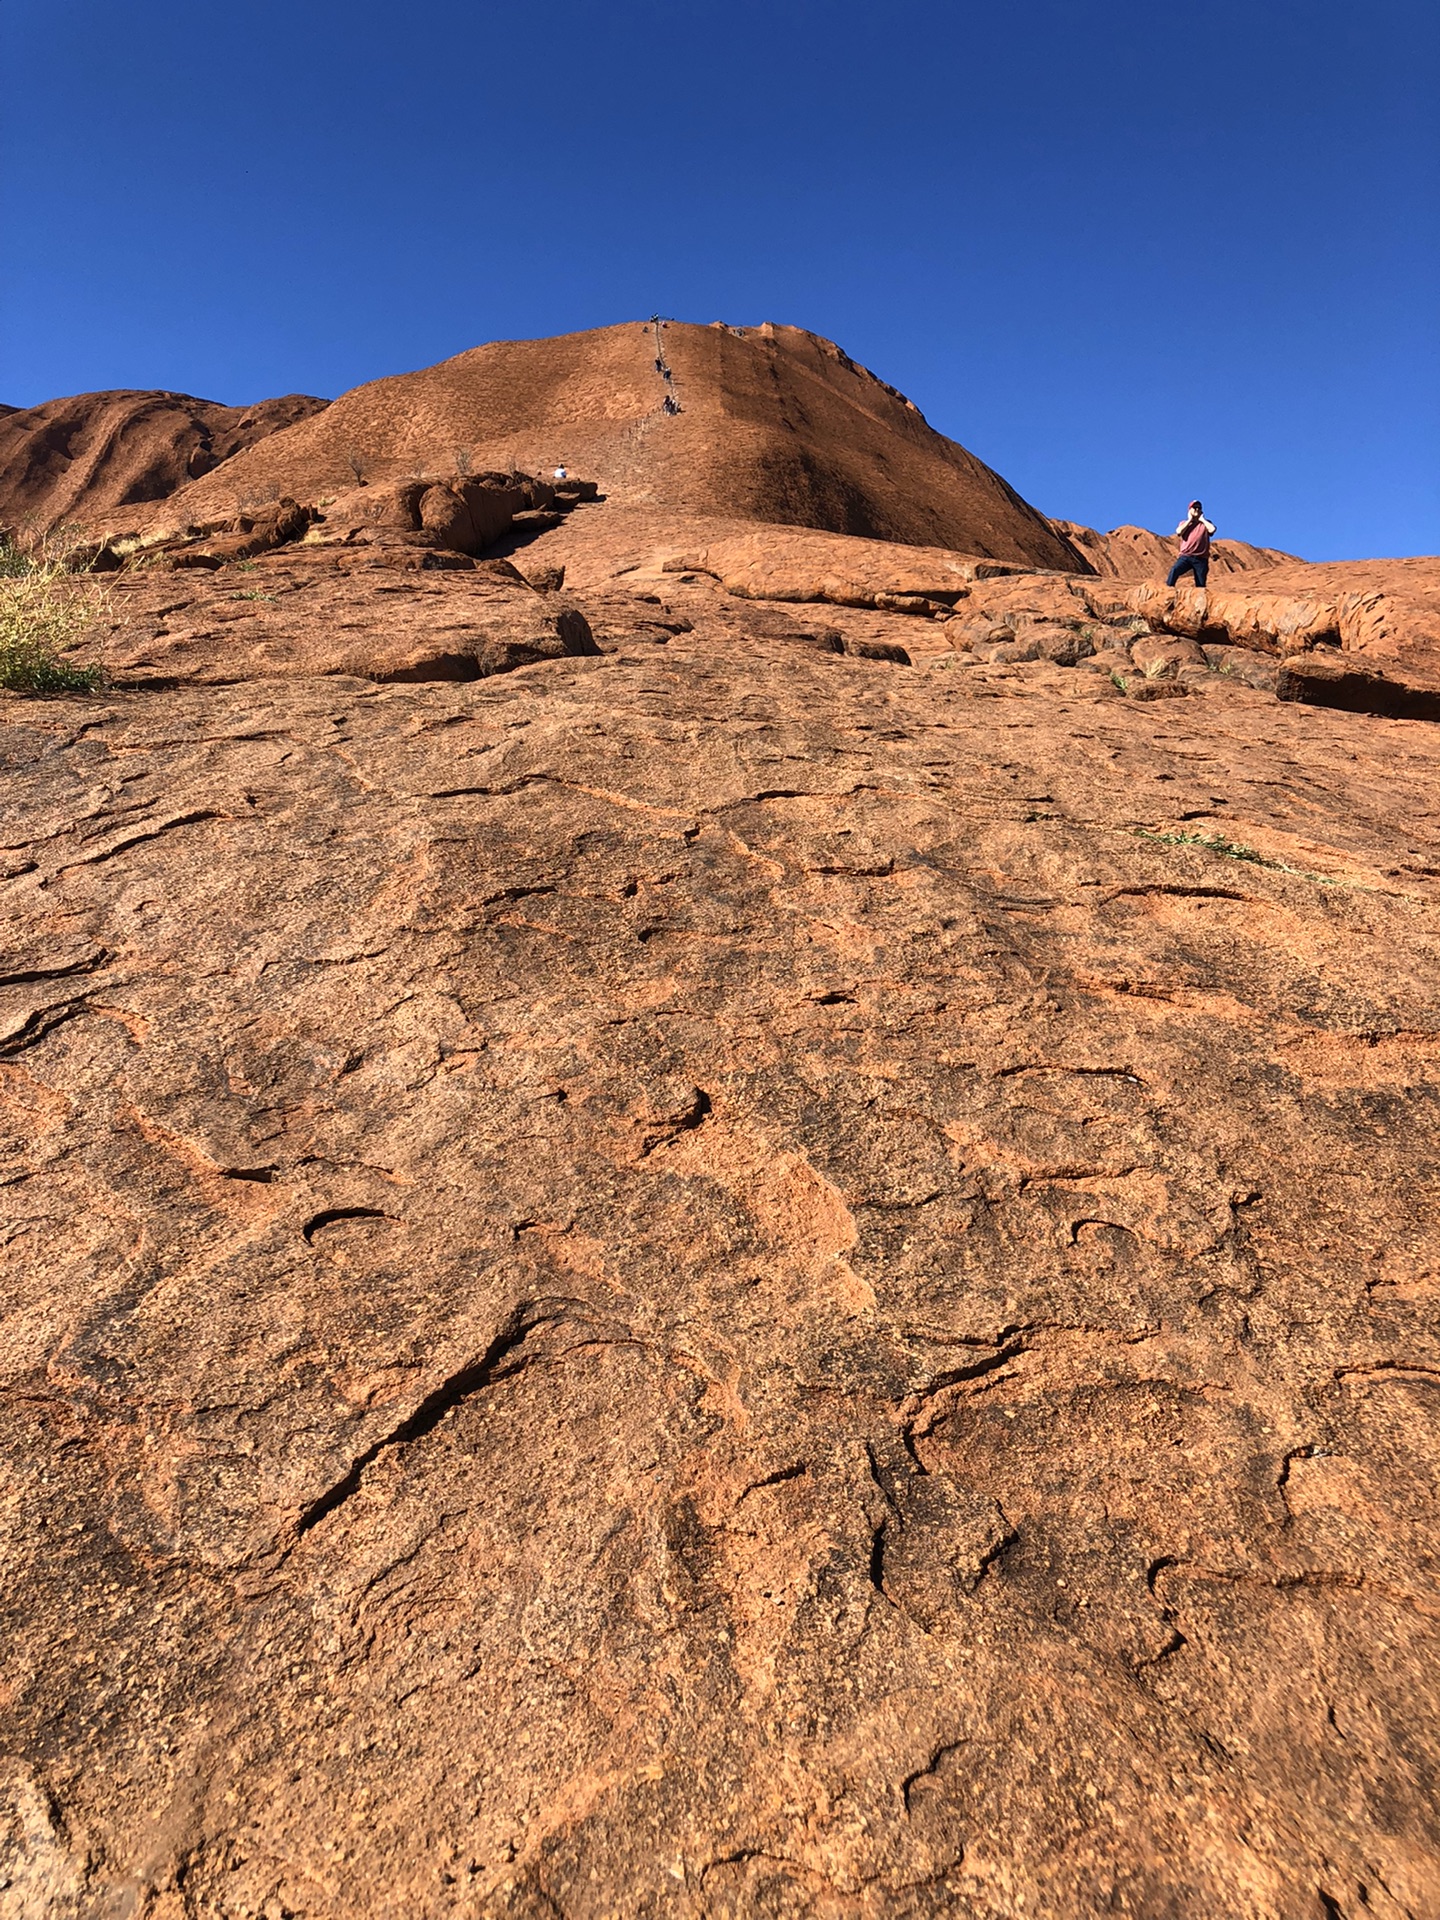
<point>716,1224</point>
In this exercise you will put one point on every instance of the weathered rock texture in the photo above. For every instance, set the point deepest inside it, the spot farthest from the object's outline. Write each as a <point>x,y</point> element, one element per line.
<point>714,1221</point>
<point>1134,553</point>
<point>781,563</point>
<point>773,424</point>
<point>76,462</point>
<point>305,613</point>
<point>714,1279</point>
<point>1327,680</point>
<point>1386,608</point>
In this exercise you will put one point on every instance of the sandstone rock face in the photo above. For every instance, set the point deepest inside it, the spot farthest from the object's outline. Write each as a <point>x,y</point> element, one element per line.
<point>306,612</point>
<point>1268,622</point>
<point>713,1277</point>
<point>1389,609</point>
<point>240,539</point>
<point>1329,680</point>
<point>784,563</point>
<point>1134,553</point>
<point>461,516</point>
<point>79,461</point>
<point>775,424</point>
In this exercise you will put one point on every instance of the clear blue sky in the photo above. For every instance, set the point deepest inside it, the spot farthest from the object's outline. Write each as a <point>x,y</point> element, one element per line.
<point>1125,251</point>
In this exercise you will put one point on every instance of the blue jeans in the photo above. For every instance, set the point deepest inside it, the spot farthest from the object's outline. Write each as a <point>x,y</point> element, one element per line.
<point>1196,563</point>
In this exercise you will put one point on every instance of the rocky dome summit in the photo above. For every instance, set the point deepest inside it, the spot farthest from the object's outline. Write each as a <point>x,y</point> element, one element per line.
<point>760,423</point>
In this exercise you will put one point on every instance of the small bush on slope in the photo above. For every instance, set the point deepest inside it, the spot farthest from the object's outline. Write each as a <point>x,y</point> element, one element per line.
<point>44,611</point>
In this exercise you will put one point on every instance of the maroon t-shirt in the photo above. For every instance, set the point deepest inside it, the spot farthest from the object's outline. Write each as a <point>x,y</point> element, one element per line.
<point>1197,541</point>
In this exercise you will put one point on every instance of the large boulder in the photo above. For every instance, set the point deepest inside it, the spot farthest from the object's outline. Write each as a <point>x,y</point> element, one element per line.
<point>242,539</point>
<point>467,516</point>
<point>1158,656</point>
<point>459,515</point>
<point>1383,608</point>
<point>1267,622</point>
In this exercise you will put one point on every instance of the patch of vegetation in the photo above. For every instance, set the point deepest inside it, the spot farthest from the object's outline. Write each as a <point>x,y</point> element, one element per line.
<point>1212,843</point>
<point>254,593</point>
<point>1118,679</point>
<point>1230,850</point>
<point>44,613</point>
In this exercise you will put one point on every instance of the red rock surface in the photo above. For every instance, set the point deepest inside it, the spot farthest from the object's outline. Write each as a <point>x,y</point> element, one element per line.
<point>716,1221</point>
<point>1360,686</point>
<point>1134,553</point>
<point>782,563</point>
<point>305,612</point>
<point>715,1277</point>
<point>1389,608</point>
<point>77,462</point>
<point>775,424</point>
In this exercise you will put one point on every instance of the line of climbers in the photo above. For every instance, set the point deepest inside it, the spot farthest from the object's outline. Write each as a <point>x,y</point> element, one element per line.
<point>671,403</point>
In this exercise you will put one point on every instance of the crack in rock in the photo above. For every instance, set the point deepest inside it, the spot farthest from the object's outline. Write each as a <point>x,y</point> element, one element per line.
<point>474,1377</point>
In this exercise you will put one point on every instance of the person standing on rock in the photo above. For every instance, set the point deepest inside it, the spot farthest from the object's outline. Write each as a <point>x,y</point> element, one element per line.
<point>1195,533</point>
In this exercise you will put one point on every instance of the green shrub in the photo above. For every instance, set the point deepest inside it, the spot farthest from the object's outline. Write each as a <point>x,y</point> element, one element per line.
<point>44,613</point>
<point>1212,843</point>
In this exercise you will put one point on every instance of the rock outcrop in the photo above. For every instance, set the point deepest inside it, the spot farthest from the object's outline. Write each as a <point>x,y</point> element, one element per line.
<point>1134,553</point>
<point>383,616</point>
<point>1358,686</point>
<point>1270,622</point>
<point>783,563</point>
<point>760,423</point>
<point>1385,608</point>
<point>77,462</point>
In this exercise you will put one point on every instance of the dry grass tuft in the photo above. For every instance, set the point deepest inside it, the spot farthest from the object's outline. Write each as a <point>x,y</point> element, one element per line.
<point>45,613</point>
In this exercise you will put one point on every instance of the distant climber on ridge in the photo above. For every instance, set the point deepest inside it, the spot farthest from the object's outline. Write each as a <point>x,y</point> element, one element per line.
<point>560,474</point>
<point>1195,533</point>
